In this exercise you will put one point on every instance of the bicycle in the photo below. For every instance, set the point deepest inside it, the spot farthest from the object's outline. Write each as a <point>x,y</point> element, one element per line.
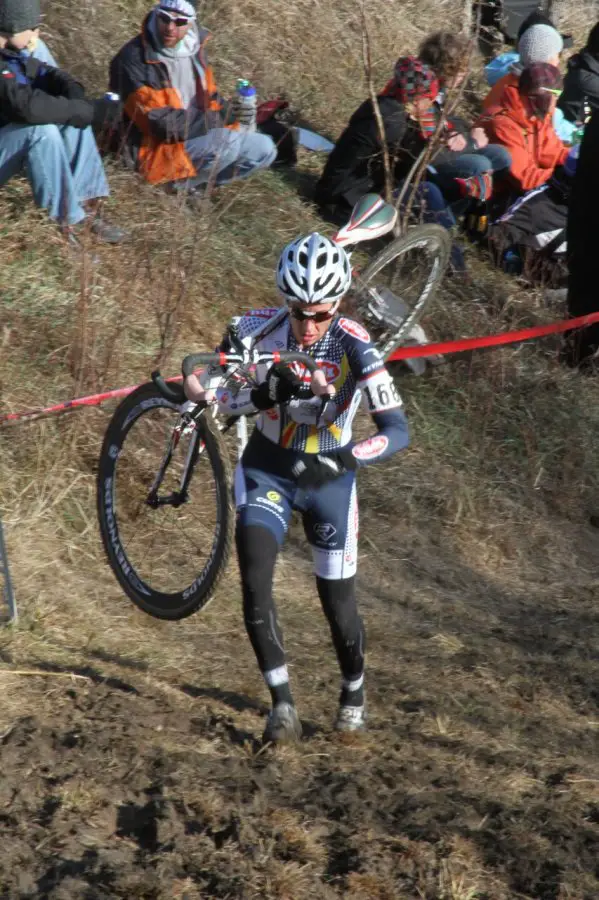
<point>167,527</point>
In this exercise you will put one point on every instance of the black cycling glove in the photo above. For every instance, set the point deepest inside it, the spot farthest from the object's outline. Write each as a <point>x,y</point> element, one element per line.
<point>314,471</point>
<point>280,386</point>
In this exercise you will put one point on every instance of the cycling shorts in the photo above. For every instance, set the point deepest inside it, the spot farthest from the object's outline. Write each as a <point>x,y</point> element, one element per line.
<point>266,494</point>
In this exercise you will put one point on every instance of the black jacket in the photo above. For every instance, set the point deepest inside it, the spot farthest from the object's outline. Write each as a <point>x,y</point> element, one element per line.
<point>33,93</point>
<point>355,166</point>
<point>581,83</point>
<point>583,238</point>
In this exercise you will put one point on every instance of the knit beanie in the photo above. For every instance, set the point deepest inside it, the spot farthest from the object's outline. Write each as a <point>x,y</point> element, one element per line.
<point>539,44</point>
<point>19,15</point>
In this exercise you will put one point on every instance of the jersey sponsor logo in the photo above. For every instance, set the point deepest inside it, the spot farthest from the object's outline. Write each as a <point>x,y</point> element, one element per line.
<point>372,447</point>
<point>355,329</point>
<point>274,496</point>
<point>325,531</point>
<point>331,370</point>
<point>224,397</point>
<point>264,502</point>
<point>271,414</point>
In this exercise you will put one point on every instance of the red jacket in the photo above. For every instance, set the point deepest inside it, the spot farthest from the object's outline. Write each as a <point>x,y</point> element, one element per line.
<point>534,146</point>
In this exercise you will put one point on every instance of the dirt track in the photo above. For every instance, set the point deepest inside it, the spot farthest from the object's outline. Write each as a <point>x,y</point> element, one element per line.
<point>477,779</point>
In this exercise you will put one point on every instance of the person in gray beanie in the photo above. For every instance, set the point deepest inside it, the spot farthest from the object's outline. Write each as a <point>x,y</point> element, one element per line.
<point>45,130</point>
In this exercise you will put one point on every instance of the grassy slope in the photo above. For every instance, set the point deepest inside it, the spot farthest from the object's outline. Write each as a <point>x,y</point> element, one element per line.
<point>478,579</point>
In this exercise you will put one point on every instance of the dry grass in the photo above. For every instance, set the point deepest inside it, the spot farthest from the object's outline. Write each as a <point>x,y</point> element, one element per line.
<point>131,766</point>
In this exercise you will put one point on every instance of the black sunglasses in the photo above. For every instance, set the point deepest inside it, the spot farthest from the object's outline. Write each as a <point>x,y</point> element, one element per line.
<point>166,18</point>
<point>300,316</point>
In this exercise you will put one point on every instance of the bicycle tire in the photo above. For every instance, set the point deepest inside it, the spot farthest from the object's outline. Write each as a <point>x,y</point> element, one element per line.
<point>436,242</point>
<point>124,476</point>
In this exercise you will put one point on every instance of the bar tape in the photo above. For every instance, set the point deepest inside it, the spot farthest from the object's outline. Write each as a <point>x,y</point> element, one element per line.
<point>441,347</point>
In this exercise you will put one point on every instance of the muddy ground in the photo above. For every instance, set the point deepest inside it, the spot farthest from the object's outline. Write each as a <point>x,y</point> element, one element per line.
<point>477,778</point>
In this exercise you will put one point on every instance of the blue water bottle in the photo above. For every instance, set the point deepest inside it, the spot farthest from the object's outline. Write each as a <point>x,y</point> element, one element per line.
<point>246,105</point>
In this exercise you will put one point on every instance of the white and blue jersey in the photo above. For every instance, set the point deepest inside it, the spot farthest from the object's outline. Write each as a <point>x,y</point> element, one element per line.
<point>351,363</point>
<point>266,490</point>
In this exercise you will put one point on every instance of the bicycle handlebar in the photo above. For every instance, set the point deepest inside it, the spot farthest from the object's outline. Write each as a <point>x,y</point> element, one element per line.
<point>196,360</point>
<point>175,392</point>
<point>172,392</point>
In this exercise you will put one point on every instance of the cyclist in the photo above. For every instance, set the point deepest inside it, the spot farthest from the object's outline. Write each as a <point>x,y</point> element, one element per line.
<point>301,456</point>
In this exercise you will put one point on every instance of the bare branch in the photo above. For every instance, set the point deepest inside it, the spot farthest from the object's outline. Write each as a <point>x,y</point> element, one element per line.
<point>367,58</point>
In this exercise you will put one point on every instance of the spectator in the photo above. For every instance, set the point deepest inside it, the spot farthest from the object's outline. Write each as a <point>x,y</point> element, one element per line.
<point>522,122</point>
<point>538,42</point>
<point>581,346</point>
<point>468,169</point>
<point>581,83</point>
<point>180,131</point>
<point>410,118</point>
<point>44,128</point>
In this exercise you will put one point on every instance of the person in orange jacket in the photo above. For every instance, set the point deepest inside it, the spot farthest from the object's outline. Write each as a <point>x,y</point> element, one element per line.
<point>522,121</point>
<point>179,130</point>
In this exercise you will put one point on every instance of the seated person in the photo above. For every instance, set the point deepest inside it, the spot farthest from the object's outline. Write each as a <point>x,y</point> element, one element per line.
<point>581,84</point>
<point>410,118</point>
<point>530,238</point>
<point>538,42</point>
<point>45,128</point>
<point>179,130</point>
<point>522,122</point>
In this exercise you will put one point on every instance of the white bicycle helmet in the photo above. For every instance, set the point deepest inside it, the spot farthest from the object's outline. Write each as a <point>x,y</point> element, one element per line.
<point>313,269</point>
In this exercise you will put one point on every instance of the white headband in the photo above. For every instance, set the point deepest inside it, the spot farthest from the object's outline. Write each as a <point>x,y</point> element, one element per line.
<point>180,6</point>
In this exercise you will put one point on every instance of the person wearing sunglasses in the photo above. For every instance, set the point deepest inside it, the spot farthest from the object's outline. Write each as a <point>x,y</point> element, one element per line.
<point>522,121</point>
<point>45,131</point>
<point>301,456</point>
<point>179,130</point>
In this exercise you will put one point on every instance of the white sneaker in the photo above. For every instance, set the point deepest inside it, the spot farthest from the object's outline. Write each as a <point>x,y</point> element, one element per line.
<point>351,718</point>
<point>282,725</point>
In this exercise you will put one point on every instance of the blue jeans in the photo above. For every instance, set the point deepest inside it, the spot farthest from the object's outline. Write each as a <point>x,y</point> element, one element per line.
<point>62,164</point>
<point>44,54</point>
<point>223,155</point>
<point>429,205</point>
<point>492,158</point>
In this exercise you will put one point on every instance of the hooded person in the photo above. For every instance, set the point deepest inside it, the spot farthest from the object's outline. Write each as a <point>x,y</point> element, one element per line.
<point>179,130</point>
<point>45,131</point>
<point>522,121</point>
<point>581,84</point>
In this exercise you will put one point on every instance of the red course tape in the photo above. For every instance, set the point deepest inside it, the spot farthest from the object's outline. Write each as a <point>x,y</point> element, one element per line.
<point>494,340</point>
<point>460,346</point>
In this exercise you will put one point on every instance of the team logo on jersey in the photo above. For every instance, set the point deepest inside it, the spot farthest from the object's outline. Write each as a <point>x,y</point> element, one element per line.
<point>274,496</point>
<point>331,370</point>
<point>325,531</point>
<point>372,447</point>
<point>355,329</point>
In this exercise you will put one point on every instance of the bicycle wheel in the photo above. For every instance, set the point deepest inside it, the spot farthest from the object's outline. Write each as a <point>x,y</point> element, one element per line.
<point>400,283</point>
<point>164,504</point>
